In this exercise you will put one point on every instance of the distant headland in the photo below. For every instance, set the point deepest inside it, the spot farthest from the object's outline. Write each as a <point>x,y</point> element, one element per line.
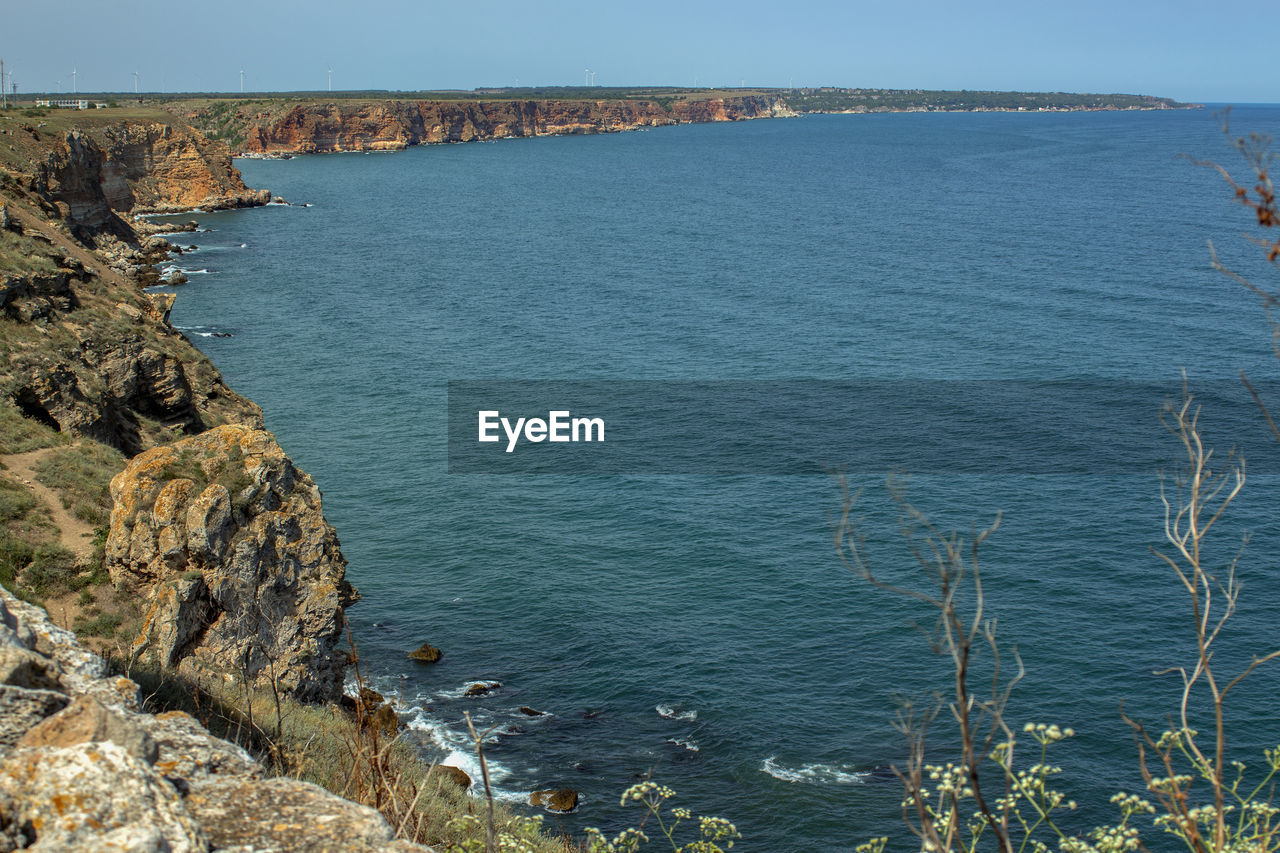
<point>285,124</point>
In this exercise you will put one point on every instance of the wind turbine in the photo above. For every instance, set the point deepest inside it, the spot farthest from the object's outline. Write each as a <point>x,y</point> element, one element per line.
<point>593,78</point>
<point>586,77</point>
<point>73,80</point>
<point>242,81</point>
<point>135,82</point>
<point>331,79</point>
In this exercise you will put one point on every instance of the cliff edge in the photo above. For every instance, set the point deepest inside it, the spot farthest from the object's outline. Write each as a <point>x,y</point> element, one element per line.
<point>276,128</point>
<point>82,768</point>
<point>217,550</point>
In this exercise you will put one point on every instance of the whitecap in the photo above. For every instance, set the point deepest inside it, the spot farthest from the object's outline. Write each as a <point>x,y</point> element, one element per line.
<point>688,743</point>
<point>459,751</point>
<point>670,713</point>
<point>814,774</point>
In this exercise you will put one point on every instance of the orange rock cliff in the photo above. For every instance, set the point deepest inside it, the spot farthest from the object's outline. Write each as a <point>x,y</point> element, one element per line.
<point>319,126</point>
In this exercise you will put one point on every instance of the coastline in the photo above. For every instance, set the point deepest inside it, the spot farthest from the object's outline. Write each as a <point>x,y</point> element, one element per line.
<point>284,127</point>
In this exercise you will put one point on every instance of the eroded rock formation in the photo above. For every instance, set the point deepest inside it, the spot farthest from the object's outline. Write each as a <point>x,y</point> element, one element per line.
<point>243,576</point>
<point>82,768</point>
<point>94,175</point>
<point>313,127</point>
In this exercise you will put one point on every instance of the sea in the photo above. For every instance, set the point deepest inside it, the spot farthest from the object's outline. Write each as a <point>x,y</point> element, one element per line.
<point>695,624</point>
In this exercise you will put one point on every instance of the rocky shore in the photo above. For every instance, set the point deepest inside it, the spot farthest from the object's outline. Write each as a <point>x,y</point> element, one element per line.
<point>215,565</point>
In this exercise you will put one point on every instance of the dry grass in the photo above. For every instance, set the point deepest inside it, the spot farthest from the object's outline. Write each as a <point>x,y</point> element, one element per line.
<point>334,747</point>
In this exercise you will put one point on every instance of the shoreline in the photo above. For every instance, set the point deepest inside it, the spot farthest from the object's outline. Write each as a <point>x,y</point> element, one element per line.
<point>281,127</point>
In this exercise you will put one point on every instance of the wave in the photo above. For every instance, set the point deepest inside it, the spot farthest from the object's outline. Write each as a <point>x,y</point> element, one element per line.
<point>814,774</point>
<point>172,269</point>
<point>460,692</point>
<point>459,751</point>
<point>204,332</point>
<point>667,712</point>
<point>688,743</point>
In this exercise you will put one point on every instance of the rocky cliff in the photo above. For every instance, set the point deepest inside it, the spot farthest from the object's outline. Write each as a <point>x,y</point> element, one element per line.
<point>315,126</point>
<point>88,355</point>
<point>95,174</point>
<point>82,768</point>
<point>241,573</point>
<point>87,352</point>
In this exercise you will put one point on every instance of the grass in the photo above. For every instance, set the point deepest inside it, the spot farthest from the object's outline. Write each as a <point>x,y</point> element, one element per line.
<point>81,475</point>
<point>18,434</point>
<point>20,253</point>
<point>226,470</point>
<point>331,747</point>
<point>98,624</point>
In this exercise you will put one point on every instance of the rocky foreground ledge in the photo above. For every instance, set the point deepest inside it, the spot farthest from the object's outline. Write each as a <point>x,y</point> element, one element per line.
<point>82,768</point>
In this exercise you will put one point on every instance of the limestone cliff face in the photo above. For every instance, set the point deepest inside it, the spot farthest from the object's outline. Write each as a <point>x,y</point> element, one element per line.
<point>243,575</point>
<point>94,175</point>
<point>315,127</point>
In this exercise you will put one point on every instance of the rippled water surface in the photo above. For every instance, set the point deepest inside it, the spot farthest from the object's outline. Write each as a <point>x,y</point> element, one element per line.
<point>701,627</point>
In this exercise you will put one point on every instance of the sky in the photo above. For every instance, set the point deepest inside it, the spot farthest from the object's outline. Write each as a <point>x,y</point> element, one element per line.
<point>1183,49</point>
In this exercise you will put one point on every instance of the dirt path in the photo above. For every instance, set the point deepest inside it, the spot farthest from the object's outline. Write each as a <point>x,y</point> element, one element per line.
<point>74,535</point>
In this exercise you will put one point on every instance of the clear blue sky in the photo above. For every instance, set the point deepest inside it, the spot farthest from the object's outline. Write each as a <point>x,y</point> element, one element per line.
<point>1183,49</point>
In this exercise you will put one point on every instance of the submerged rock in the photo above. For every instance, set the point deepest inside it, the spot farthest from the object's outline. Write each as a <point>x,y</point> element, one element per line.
<point>225,541</point>
<point>482,688</point>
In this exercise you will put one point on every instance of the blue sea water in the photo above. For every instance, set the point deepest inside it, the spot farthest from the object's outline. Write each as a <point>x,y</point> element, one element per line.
<point>701,628</point>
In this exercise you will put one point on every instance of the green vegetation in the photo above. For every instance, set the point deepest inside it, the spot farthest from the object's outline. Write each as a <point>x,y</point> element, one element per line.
<point>227,471</point>
<point>27,540</point>
<point>21,254</point>
<point>830,99</point>
<point>19,434</point>
<point>81,474</point>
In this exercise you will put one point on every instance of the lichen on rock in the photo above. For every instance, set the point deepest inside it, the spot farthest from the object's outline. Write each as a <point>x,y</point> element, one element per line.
<point>83,769</point>
<point>242,577</point>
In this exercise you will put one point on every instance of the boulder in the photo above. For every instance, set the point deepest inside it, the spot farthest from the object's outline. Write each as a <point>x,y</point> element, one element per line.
<point>21,709</point>
<point>94,796</point>
<point>226,543</point>
<point>370,699</point>
<point>445,774</point>
<point>426,653</point>
<point>530,712</point>
<point>22,667</point>
<point>88,720</point>
<point>287,814</point>
<point>83,770</point>
<point>555,799</point>
<point>384,719</point>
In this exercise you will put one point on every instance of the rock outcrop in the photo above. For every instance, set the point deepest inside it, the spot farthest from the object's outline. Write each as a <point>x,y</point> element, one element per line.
<point>242,575</point>
<point>96,174</point>
<point>82,768</point>
<point>86,351</point>
<point>426,653</point>
<point>315,127</point>
<point>561,800</point>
